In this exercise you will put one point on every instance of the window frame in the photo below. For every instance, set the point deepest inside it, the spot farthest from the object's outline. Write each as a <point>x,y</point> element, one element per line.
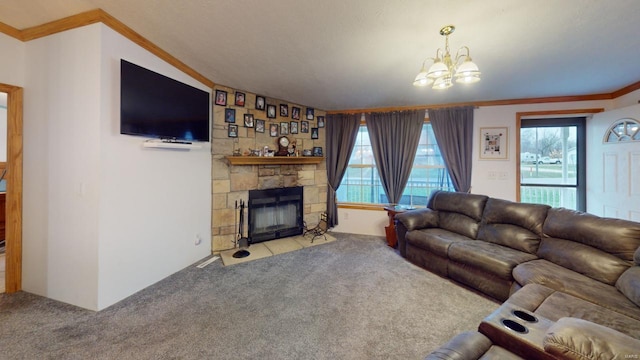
<point>581,155</point>
<point>375,175</point>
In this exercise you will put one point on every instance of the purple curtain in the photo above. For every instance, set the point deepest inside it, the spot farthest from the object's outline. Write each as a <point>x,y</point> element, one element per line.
<point>341,131</point>
<point>453,129</point>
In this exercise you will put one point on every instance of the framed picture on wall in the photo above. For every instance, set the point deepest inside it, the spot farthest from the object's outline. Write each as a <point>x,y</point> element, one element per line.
<point>232,131</point>
<point>293,127</point>
<point>284,110</point>
<point>309,113</point>
<point>230,115</point>
<point>284,128</point>
<point>304,126</point>
<point>295,113</point>
<point>221,98</point>
<point>314,133</point>
<point>260,102</point>
<point>240,97</point>
<point>248,120</point>
<point>494,143</point>
<point>271,111</point>
<point>273,130</point>
<point>320,121</point>
<point>259,125</point>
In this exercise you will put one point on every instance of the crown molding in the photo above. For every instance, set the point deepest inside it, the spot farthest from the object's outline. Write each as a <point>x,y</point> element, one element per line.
<point>100,16</point>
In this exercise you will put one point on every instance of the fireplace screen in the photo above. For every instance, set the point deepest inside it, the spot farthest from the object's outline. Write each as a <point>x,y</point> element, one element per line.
<point>275,213</point>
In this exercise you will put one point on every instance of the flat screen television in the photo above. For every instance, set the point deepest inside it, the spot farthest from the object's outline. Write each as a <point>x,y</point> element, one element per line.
<point>155,106</point>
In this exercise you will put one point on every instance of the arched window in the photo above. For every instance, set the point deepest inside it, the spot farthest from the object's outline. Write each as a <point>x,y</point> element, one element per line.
<point>626,129</point>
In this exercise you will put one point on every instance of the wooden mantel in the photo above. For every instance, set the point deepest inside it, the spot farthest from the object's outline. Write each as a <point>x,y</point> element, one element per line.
<point>274,160</point>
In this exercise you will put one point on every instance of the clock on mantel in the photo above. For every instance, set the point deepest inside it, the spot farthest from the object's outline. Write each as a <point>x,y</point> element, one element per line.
<point>283,146</point>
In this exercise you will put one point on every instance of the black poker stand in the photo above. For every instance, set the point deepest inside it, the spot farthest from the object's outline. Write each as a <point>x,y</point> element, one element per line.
<point>242,241</point>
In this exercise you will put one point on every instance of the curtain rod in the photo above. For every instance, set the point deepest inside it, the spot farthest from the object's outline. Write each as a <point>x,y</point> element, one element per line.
<point>390,110</point>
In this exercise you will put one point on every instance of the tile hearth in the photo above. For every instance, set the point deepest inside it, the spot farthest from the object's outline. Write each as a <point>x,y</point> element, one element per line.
<point>274,247</point>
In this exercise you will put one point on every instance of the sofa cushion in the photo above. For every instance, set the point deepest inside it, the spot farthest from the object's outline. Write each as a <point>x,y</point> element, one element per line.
<point>489,257</point>
<point>629,284</point>
<point>560,305</point>
<point>509,235</point>
<point>528,216</point>
<point>471,205</point>
<point>516,225</point>
<point>559,278</point>
<point>572,338</point>
<point>618,237</point>
<point>435,240</point>
<point>418,219</point>
<point>458,223</point>
<point>584,259</point>
<point>554,305</point>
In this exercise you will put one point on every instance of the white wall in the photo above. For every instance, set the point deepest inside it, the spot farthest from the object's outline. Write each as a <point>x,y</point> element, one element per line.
<point>12,61</point>
<point>61,141</point>
<point>154,202</point>
<point>103,217</point>
<point>363,222</point>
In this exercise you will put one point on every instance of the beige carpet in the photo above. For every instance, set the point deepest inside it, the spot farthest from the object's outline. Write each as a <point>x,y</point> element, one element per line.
<point>274,247</point>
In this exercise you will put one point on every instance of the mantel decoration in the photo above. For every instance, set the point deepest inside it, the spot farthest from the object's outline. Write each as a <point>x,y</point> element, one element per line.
<point>444,68</point>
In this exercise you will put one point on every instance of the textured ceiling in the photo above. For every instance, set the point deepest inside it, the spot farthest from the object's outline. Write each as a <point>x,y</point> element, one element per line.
<point>337,54</point>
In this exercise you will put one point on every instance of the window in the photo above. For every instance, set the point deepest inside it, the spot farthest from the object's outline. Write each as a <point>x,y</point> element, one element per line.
<point>623,130</point>
<point>552,156</point>
<point>361,182</point>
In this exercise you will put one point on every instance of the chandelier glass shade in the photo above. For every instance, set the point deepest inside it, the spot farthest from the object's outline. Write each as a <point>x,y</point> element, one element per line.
<point>446,69</point>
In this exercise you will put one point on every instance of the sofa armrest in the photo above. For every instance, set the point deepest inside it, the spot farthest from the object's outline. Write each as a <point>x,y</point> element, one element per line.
<point>465,346</point>
<point>411,220</point>
<point>418,219</point>
<point>572,338</point>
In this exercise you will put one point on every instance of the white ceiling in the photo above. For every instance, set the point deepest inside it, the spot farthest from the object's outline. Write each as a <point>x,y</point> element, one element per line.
<point>349,54</point>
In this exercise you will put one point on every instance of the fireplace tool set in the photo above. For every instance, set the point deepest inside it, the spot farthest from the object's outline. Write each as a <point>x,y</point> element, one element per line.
<point>241,241</point>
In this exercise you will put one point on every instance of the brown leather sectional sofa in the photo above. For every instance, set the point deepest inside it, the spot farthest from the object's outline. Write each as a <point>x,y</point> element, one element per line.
<point>552,263</point>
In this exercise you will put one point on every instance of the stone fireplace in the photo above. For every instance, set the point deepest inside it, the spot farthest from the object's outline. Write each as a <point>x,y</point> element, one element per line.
<point>231,183</point>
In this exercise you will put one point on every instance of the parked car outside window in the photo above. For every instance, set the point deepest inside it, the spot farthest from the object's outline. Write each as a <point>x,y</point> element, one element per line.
<point>548,160</point>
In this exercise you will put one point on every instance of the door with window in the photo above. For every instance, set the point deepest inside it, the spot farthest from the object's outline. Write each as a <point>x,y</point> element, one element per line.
<point>614,164</point>
<point>552,162</point>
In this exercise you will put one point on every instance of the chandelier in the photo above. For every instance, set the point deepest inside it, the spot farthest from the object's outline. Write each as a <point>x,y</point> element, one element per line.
<point>444,69</point>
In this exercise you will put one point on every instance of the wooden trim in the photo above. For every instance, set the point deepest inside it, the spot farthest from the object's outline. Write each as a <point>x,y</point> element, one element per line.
<point>274,160</point>
<point>64,24</point>
<point>99,15</point>
<point>521,115</point>
<point>13,208</point>
<point>626,90</point>
<point>359,206</point>
<point>11,31</point>
<point>539,100</point>
<point>517,157</point>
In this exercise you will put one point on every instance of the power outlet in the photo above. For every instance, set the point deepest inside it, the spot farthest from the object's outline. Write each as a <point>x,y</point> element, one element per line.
<point>198,240</point>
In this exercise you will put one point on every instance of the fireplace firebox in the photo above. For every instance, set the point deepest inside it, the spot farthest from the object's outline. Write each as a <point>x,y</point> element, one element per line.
<point>275,213</point>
